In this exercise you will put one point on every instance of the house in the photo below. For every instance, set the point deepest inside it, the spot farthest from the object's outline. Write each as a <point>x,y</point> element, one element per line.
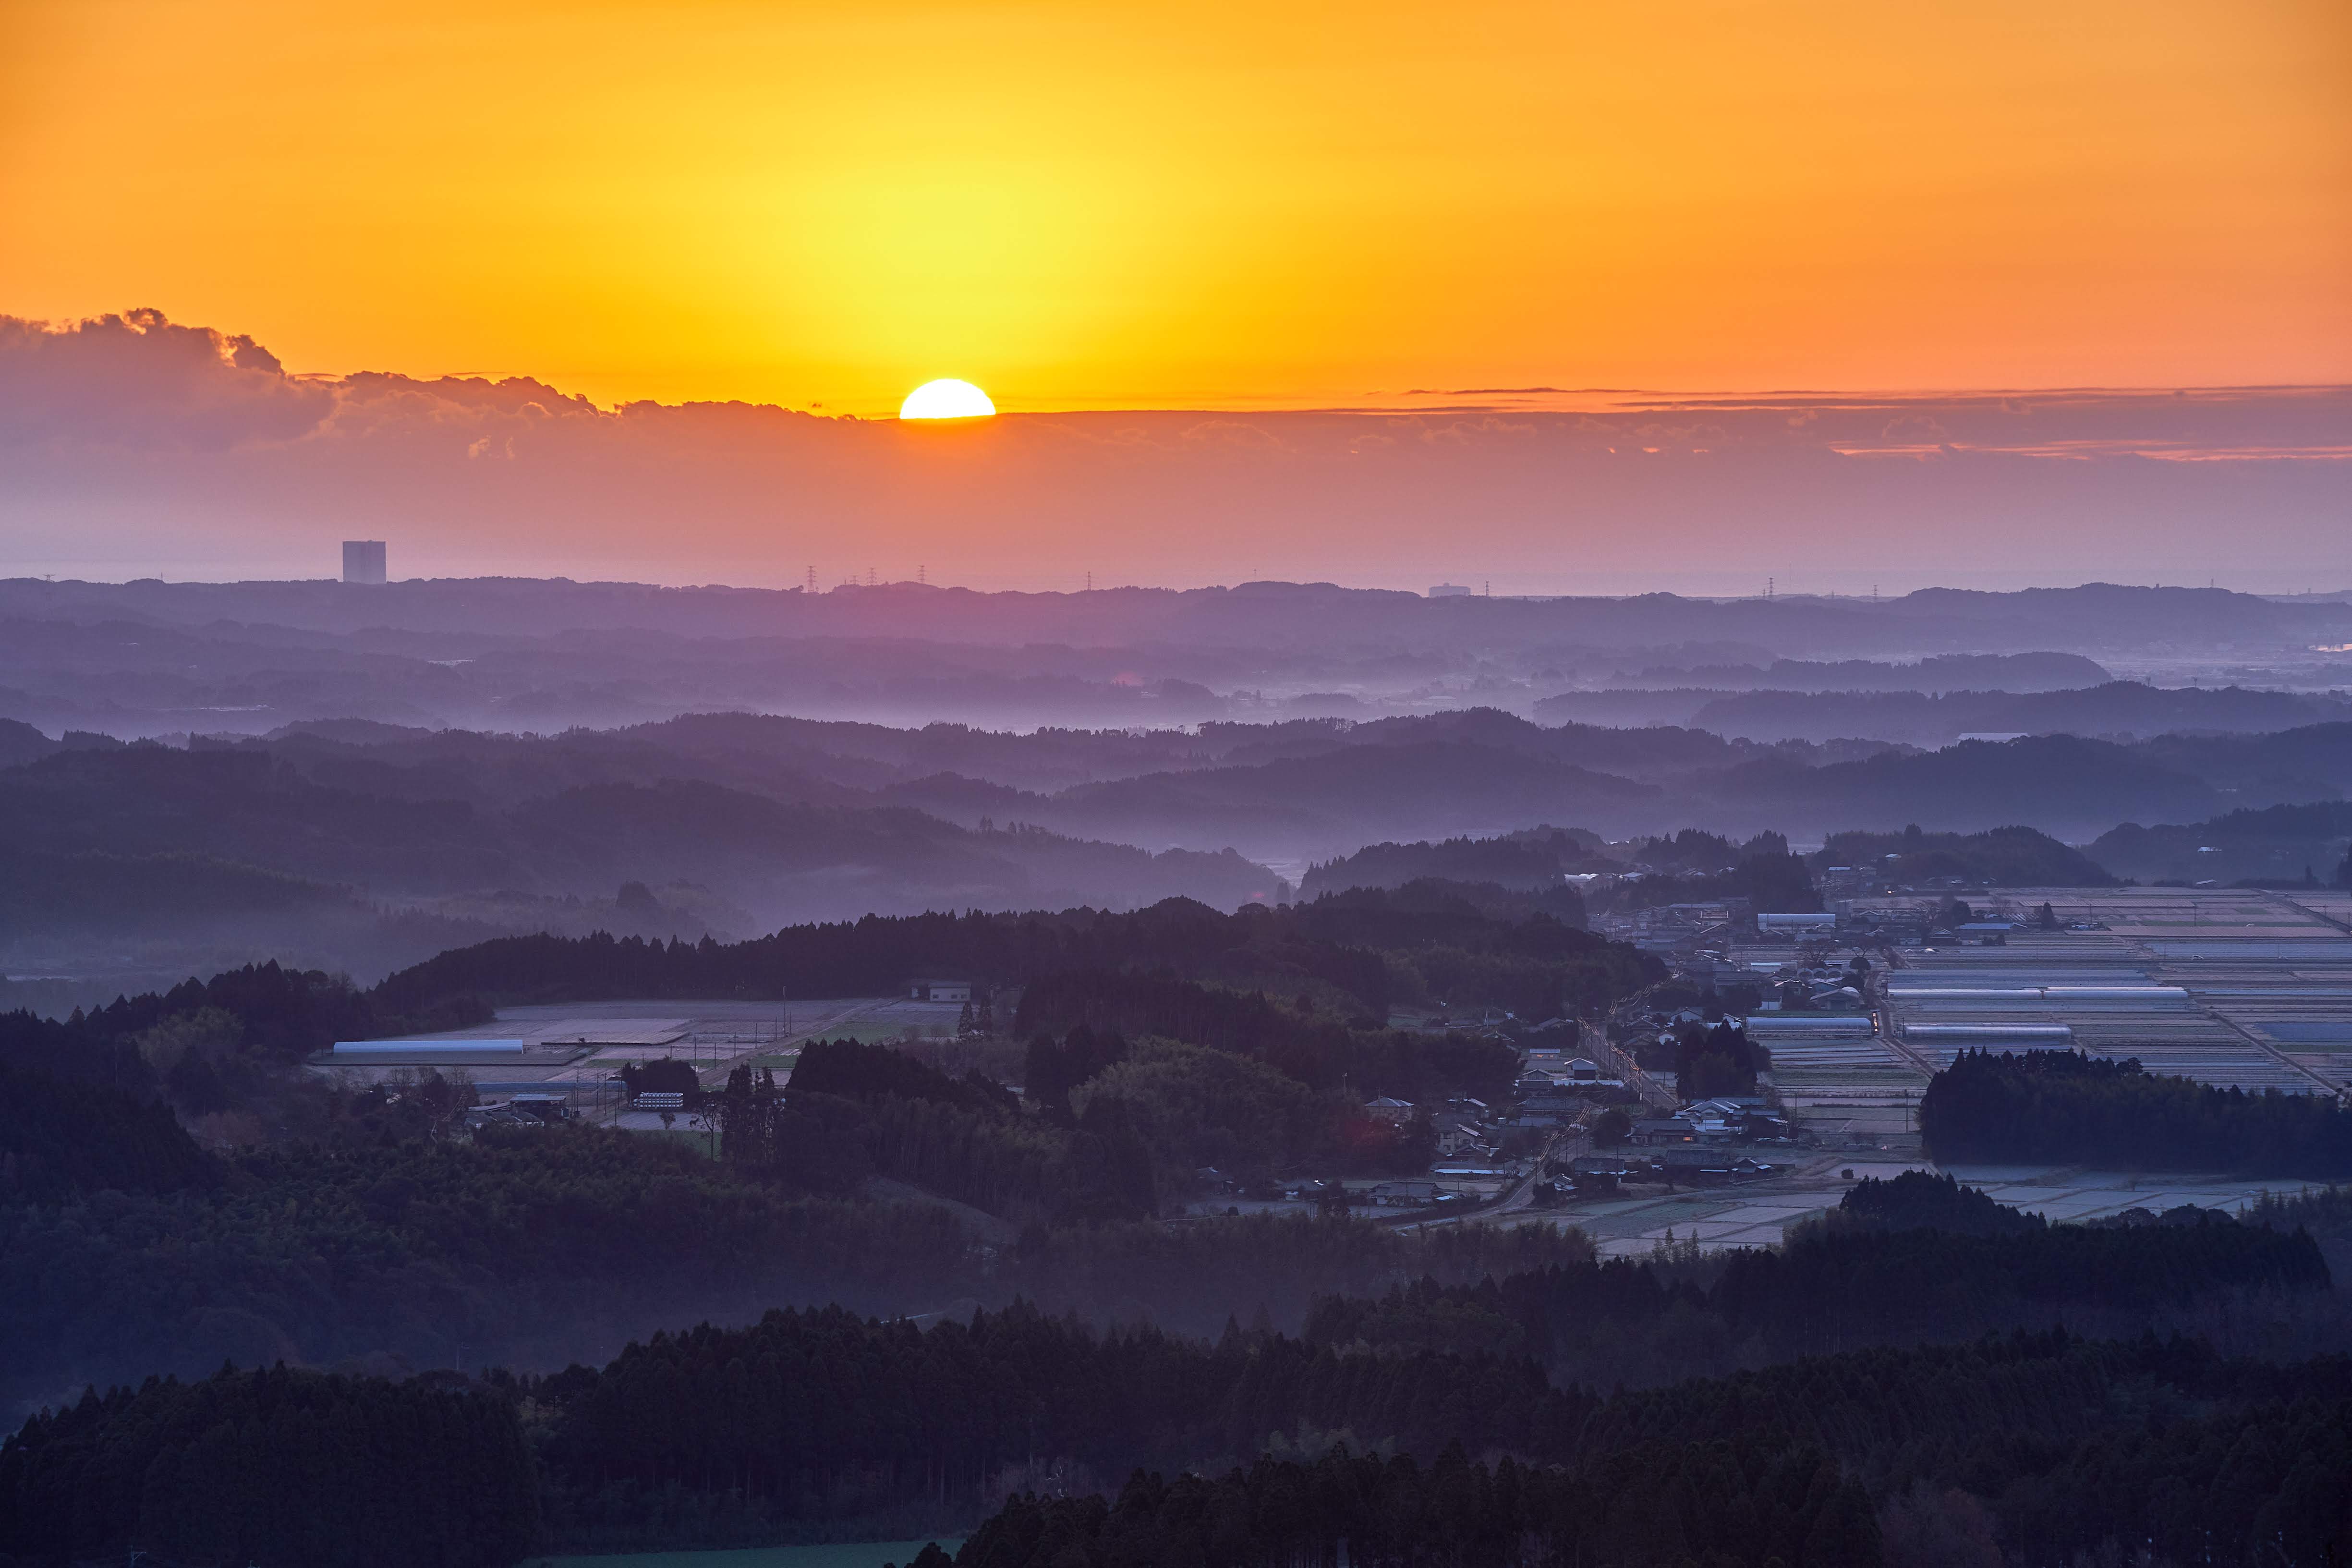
<point>1690,1168</point>
<point>1664,1130</point>
<point>1453,1137</point>
<point>1583,1071</point>
<point>1399,1194</point>
<point>939,991</point>
<point>1598,1173</point>
<point>1399,1112</point>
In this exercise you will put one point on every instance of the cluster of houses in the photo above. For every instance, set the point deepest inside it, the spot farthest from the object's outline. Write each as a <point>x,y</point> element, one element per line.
<point>1818,987</point>
<point>1696,1146</point>
<point>1416,1192</point>
<point>1465,1127</point>
<point>1680,927</point>
<point>1726,1119</point>
<point>1607,1172</point>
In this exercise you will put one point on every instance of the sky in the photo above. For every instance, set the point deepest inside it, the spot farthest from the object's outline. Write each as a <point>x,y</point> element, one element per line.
<point>1200,205</point>
<point>133,444</point>
<point>1559,298</point>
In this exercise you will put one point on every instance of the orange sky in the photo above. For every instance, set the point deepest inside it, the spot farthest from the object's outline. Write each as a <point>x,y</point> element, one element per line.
<point>1206,204</point>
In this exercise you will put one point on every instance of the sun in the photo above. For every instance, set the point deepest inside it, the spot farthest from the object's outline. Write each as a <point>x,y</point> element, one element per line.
<point>946,400</point>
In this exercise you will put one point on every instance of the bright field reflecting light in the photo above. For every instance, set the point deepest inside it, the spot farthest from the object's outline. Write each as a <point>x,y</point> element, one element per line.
<point>946,400</point>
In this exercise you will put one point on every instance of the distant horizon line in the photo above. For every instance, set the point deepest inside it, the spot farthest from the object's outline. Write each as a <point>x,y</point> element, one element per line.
<point>921,586</point>
<point>1630,398</point>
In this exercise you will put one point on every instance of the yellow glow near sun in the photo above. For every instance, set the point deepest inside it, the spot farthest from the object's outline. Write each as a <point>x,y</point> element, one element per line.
<point>948,399</point>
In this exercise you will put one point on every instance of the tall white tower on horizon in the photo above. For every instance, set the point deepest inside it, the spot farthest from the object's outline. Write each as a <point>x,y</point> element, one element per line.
<point>364,560</point>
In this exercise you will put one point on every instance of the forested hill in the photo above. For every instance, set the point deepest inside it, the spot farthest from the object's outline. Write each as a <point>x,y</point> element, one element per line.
<point>1916,1261</point>
<point>712,1437</point>
<point>1355,955</point>
<point>1336,943</point>
<point>563,824</point>
<point>1734,1500</point>
<point>2005,856</point>
<point>1530,862</point>
<point>2311,843</point>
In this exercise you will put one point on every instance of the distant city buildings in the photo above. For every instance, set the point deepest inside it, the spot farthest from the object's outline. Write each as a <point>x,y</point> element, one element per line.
<point>364,560</point>
<point>1448,591</point>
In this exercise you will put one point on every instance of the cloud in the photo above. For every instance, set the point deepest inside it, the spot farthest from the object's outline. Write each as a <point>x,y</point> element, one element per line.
<point>140,380</point>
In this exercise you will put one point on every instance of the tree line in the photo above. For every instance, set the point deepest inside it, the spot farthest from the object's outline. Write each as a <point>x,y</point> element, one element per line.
<point>553,1243</point>
<point>2262,1486</point>
<point>276,1467</point>
<point>1342,947</point>
<point>1323,1053</point>
<point>1903,1262</point>
<point>59,1137</point>
<point>726,1432</point>
<point>1722,1505</point>
<point>2076,1109</point>
<point>1114,1130</point>
<point>2043,1447</point>
<point>821,1416</point>
<point>1350,946</point>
